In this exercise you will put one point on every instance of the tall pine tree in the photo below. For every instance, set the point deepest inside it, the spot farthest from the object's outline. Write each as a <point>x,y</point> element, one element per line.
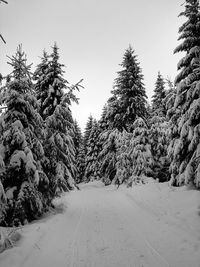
<point>79,153</point>
<point>158,105</point>
<point>22,176</point>
<point>54,107</point>
<point>129,96</point>
<point>92,166</point>
<point>184,148</point>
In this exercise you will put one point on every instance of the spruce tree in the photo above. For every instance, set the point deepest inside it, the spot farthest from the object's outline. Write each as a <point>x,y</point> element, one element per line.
<point>50,82</point>
<point>140,151</point>
<point>42,82</point>
<point>59,149</point>
<point>123,158</point>
<point>129,97</point>
<point>87,132</point>
<point>158,105</point>
<point>22,176</point>
<point>54,106</point>
<point>159,134</point>
<point>108,155</point>
<point>185,114</point>
<point>92,165</point>
<point>79,153</point>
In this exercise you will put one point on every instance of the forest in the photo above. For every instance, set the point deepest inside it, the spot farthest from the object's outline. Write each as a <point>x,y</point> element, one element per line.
<point>43,152</point>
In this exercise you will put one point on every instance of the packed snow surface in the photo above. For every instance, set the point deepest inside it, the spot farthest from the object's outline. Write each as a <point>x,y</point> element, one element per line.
<point>150,225</point>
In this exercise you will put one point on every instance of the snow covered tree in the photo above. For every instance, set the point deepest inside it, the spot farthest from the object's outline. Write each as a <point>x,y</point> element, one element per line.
<point>42,83</point>
<point>87,132</point>
<point>123,157</point>
<point>107,155</point>
<point>49,83</point>
<point>92,166</point>
<point>21,151</point>
<point>129,97</point>
<point>159,136</point>
<point>169,98</point>
<point>158,105</point>
<point>184,148</point>
<point>103,122</point>
<point>59,149</point>
<point>140,151</point>
<point>79,153</point>
<point>55,95</point>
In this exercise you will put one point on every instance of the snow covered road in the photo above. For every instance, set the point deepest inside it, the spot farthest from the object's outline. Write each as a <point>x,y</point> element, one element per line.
<point>105,227</point>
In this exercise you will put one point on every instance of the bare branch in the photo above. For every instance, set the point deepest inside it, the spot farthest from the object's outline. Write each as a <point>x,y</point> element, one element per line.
<point>5,2</point>
<point>2,39</point>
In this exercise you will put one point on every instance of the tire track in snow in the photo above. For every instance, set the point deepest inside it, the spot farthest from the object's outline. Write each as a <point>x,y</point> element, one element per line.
<point>148,245</point>
<point>72,259</point>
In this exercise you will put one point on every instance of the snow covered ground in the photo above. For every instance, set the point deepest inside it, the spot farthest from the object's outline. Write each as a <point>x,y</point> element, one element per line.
<point>149,225</point>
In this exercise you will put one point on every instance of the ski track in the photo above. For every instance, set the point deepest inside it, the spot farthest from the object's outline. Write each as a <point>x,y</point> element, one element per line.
<point>103,227</point>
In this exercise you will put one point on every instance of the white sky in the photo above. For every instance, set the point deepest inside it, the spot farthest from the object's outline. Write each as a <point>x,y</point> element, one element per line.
<point>92,36</point>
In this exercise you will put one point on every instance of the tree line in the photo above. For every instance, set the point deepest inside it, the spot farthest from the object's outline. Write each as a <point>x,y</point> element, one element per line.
<point>42,149</point>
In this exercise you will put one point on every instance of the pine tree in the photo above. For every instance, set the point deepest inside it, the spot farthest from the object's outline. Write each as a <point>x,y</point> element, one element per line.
<point>103,122</point>
<point>87,132</point>
<point>123,158</point>
<point>158,105</point>
<point>59,163</point>
<point>159,135</point>
<point>50,82</point>
<point>140,151</point>
<point>185,115</point>
<point>92,171</point>
<point>79,152</point>
<point>129,97</point>
<point>59,149</point>
<point>21,150</point>
<point>42,82</point>
<point>108,155</point>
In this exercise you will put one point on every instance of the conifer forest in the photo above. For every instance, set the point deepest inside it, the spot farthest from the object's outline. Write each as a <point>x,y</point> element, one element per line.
<point>44,153</point>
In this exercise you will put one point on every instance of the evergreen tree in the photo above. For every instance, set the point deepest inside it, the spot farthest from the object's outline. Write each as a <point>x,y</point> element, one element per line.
<point>123,158</point>
<point>42,82</point>
<point>158,105</point>
<point>54,104</point>
<point>140,150</point>
<point>79,152</point>
<point>103,122</point>
<point>92,165</point>
<point>59,149</point>
<point>50,83</point>
<point>129,97</point>
<point>185,114</point>
<point>170,98</point>
<point>108,156</point>
<point>159,135</point>
<point>87,132</point>
<point>22,176</point>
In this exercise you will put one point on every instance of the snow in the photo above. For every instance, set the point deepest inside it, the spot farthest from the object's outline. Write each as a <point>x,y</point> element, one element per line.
<point>152,225</point>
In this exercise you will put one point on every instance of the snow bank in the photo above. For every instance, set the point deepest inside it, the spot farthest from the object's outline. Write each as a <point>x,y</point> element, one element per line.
<point>176,205</point>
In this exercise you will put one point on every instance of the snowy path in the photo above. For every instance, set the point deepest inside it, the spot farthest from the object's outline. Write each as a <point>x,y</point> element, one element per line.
<point>105,227</point>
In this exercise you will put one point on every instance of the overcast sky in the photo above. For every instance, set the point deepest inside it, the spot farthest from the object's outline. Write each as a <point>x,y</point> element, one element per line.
<point>92,36</point>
